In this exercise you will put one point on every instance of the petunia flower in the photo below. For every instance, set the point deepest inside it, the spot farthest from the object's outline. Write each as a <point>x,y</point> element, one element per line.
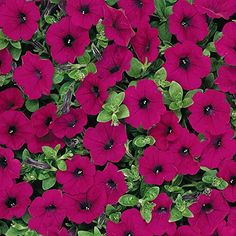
<point>156,166</point>
<point>218,147</point>
<point>166,131</point>
<point>117,26</point>
<point>225,46</point>
<point>226,79</point>
<point>35,75</point>
<point>14,198</point>
<point>145,104</point>
<point>216,8</point>
<point>209,212</point>
<point>115,60</point>
<point>11,99</point>
<point>86,207</point>
<point>62,232</point>
<point>131,223</point>
<point>105,142</point>
<point>146,43</point>
<point>43,118</point>
<point>186,23</point>
<point>69,124</point>
<point>15,129</point>
<point>85,13</point>
<point>210,112</point>
<point>186,64</point>
<point>91,94</point>
<point>137,11</point>
<point>5,61</point>
<point>186,151</point>
<point>9,166</point>
<point>160,224</point>
<point>187,230</point>
<point>19,19</point>
<point>112,181</point>
<point>78,177</point>
<point>47,211</point>
<point>66,40</point>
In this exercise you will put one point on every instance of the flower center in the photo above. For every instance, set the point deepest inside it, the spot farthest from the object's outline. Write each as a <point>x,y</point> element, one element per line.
<point>38,74</point>
<point>147,48</point>
<point>185,22</point>
<point>232,180</point>
<point>162,209</point>
<point>207,207</point>
<point>78,172</point>
<point>184,62</point>
<point>139,3</point>
<point>114,69</point>
<point>68,40</point>
<point>169,130</point>
<point>22,18</point>
<point>208,110</point>
<point>85,205</point>
<point>10,202</point>
<point>95,90</point>
<point>72,123</point>
<point>111,183</point>
<point>109,144</point>
<point>218,142</point>
<point>184,151</point>
<point>157,169</point>
<point>12,130</point>
<point>84,9</point>
<point>128,234</point>
<point>143,103</point>
<point>48,121</point>
<point>51,207</point>
<point>3,162</point>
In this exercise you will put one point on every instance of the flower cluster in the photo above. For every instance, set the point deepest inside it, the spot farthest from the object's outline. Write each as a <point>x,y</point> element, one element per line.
<point>118,117</point>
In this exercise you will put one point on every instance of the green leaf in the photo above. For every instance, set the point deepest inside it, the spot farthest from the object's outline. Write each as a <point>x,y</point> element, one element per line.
<point>208,179</point>
<point>175,215</point>
<point>32,105</point>
<point>15,52</point>
<point>61,164</point>
<point>177,180</point>
<point>128,200</point>
<point>151,193</point>
<point>176,91</point>
<point>76,74</point>
<point>160,6</point>
<point>187,102</point>
<point>118,99</point>
<point>160,74</point>
<point>104,116</point>
<point>85,233</point>
<point>97,232</point>
<point>146,211</point>
<point>187,213</point>
<point>50,19</point>
<point>58,78</point>
<point>123,112</point>
<point>140,141</point>
<point>135,69</point>
<point>48,183</point>
<point>164,33</point>
<point>3,228</point>
<point>111,2</point>
<point>175,106</point>
<point>220,184</point>
<point>49,152</point>
<point>16,44</point>
<point>85,59</point>
<point>115,217</point>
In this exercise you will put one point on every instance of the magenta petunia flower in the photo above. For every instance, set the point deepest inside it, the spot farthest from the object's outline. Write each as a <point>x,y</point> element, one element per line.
<point>146,43</point>
<point>209,212</point>
<point>66,40</point>
<point>115,60</point>
<point>86,207</point>
<point>35,75</point>
<point>156,166</point>
<point>70,124</point>
<point>131,223</point>
<point>47,212</point>
<point>227,171</point>
<point>113,182</point>
<point>160,224</point>
<point>105,142</point>
<point>19,19</point>
<point>210,112</point>
<point>186,64</point>
<point>187,230</point>
<point>10,99</point>
<point>15,129</point>
<point>117,26</point>
<point>217,148</point>
<point>137,11</point>
<point>5,61</point>
<point>166,131</point>
<point>186,23</point>
<point>14,198</point>
<point>9,167</point>
<point>225,46</point>
<point>79,175</point>
<point>62,232</point>
<point>186,150</point>
<point>85,13</point>
<point>91,94</point>
<point>216,8</point>
<point>42,119</point>
<point>226,80</point>
<point>145,104</point>
<point>224,229</point>
<point>35,144</point>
